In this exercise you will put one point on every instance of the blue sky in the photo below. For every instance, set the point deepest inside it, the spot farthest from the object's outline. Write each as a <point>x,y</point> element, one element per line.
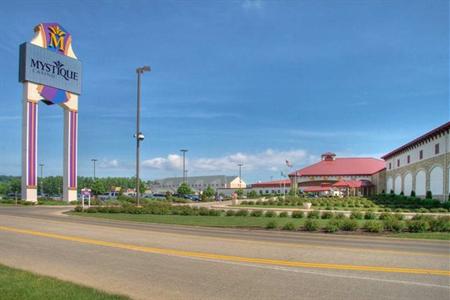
<point>256,82</point>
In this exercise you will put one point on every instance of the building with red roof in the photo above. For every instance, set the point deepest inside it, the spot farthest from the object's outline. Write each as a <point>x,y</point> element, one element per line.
<point>272,187</point>
<point>351,175</point>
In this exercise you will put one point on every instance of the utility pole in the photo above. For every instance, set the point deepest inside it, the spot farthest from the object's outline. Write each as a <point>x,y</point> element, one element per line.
<point>139,135</point>
<point>184,165</point>
<point>94,160</point>
<point>42,179</point>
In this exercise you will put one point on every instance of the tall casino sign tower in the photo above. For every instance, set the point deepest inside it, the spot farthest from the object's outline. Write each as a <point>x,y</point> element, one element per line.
<point>50,73</point>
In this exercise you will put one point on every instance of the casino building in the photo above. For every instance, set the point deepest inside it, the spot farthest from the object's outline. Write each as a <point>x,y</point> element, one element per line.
<point>421,165</point>
<point>348,175</point>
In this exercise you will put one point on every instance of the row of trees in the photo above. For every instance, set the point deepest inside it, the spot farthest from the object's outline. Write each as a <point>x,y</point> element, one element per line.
<point>52,185</point>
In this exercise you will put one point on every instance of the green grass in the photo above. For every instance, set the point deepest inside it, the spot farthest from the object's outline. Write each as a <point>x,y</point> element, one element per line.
<point>16,284</point>
<point>240,222</point>
<point>209,221</point>
<point>423,235</point>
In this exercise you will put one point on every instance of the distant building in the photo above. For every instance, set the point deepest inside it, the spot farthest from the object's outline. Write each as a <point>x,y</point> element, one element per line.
<point>421,165</point>
<point>271,187</point>
<point>349,175</point>
<point>198,183</point>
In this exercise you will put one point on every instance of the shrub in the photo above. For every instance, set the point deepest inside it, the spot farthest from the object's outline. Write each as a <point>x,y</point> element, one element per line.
<point>270,214</point>
<point>242,213</point>
<point>332,226</point>
<point>230,213</point>
<point>373,226</point>
<point>356,215</point>
<point>311,225</point>
<point>298,214</point>
<point>78,209</point>
<point>391,224</point>
<point>348,225</point>
<point>418,225</point>
<point>256,213</point>
<point>340,216</point>
<point>413,194</point>
<point>203,211</point>
<point>271,225</point>
<point>314,214</point>
<point>289,226</point>
<point>429,195</point>
<point>215,213</point>
<point>440,224</point>
<point>283,214</point>
<point>92,210</point>
<point>327,215</point>
<point>370,216</point>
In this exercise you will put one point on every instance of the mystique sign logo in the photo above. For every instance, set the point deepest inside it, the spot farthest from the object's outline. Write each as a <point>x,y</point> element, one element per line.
<point>53,70</point>
<point>49,68</point>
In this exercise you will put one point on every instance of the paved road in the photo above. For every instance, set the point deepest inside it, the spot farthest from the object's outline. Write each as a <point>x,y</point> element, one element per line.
<point>150,261</point>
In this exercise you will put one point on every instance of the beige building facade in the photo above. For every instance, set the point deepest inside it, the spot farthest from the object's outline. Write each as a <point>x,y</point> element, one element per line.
<point>421,165</point>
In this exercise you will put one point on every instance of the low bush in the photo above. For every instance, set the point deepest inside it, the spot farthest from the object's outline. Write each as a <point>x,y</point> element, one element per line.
<point>394,225</point>
<point>283,214</point>
<point>340,216</point>
<point>332,226</point>
<point>271,225</point>
<point>373,226</point>
<point>230,213</point>
<point>242,213</point>
<point>298,214</point>
<point>348,225</point>
<point>289,226</point>
<point>314,214</point>
<point>418,225</point>
<point>311,225</point>
<point>370,215</point>
<point>215,213</point>
<point>441,224</point>
<point>270,214</point>
<point>78,209</point>
<point>256,213</point>
<point>327,215</point>
<point>92,210</point>
<point>356,215</point>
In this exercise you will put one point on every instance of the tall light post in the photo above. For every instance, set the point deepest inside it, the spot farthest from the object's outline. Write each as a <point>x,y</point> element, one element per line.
<point>240,173</point>
<point>184,164</point>
<point>94,160</point>
<point>139,135</point>
<point>42,179</point>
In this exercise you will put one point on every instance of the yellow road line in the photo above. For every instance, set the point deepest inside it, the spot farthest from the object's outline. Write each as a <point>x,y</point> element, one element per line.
<point>231,258</point>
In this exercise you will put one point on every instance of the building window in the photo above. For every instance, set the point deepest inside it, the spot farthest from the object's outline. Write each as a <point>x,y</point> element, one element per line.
<point>420,154</point>
<point>408,159</point>
<point>398,162</point>
<point>390,166</point>
<point>436,149</point>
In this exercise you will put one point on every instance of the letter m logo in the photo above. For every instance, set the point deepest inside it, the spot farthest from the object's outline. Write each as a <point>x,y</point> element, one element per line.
<point>56,38</point>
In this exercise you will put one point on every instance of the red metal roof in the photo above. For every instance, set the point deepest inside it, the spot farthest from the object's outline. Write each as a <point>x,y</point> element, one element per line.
<point>421,138</point>
<point>274,183</point>
<point>342,166</point>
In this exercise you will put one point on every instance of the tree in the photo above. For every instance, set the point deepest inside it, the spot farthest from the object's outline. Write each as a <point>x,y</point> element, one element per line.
<point>184,189</point>
<point>240,192</point>
<point>15,186</point>
<point>98,187</point>
<point>209,192</point>
<point>252,194</point>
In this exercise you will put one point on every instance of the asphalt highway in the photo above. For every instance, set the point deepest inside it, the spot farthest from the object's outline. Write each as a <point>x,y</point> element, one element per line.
<point>155,261</point>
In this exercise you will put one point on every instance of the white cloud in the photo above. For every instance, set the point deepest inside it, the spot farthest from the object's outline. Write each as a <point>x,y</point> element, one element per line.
<point>106,164</point>
<point>269,160</point>
<point>252,4</point>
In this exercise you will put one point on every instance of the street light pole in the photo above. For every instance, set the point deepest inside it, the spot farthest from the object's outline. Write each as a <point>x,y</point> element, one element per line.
<point>240,173</point>
<point>184,165</point>
<point>42,179</point>
<point>94,160</point>
<point>139,135</point>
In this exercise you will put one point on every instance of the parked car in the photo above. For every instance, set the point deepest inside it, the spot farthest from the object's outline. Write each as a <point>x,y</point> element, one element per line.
<point>108,196</point>
<point>155,196</point>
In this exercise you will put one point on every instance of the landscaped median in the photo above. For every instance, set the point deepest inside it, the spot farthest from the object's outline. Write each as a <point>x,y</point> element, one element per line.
<point>16,284</point>
<point>424,226</point>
